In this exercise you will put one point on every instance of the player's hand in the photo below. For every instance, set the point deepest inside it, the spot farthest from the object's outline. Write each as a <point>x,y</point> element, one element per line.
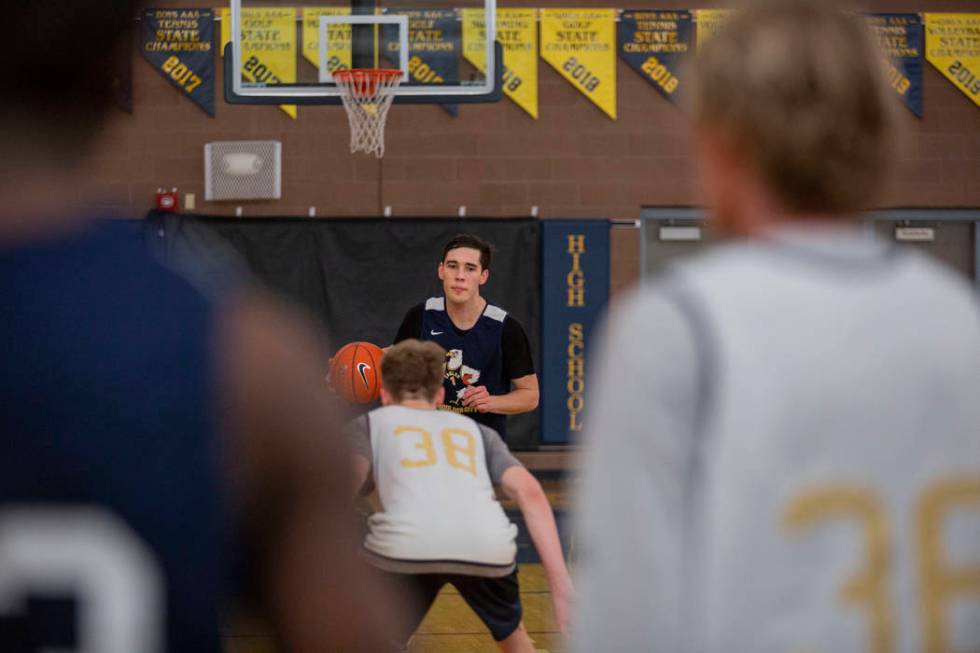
<point>477,396</point>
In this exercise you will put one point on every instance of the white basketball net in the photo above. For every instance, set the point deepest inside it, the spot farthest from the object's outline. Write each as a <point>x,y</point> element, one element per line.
<point>367,95</point>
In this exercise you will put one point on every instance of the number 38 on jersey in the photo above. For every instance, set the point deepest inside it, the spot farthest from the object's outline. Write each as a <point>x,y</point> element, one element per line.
<point>457,448</point>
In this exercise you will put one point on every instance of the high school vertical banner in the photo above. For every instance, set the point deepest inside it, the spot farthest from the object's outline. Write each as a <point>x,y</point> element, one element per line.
<point>654,44</point>
<point>517,33</point>
<point>179,44</point>
<point>581,45</point>
<point>339,48</point>
<point>433,47</point>
<point>953,47</point>
<point>575,289</point>
<point>899,38</point>
<point>268,46</point>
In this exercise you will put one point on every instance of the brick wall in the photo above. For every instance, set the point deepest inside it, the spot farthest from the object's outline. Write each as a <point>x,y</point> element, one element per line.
<point>494,159</point>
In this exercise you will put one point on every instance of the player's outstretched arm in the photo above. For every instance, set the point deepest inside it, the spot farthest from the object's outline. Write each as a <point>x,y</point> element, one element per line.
<point>357,433</point>
<point>289,465</point>
<point>520,485</point>
<point>361,469</point>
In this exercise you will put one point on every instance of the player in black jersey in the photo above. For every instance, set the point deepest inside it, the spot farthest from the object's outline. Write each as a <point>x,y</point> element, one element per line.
<point>489,368</point>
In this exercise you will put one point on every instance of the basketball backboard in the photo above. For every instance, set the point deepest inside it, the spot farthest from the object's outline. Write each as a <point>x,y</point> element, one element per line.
<point>434,43</point>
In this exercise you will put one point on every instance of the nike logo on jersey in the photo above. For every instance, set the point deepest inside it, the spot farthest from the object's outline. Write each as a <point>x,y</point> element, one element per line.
<point>360,370</point>
<point>437,333</point>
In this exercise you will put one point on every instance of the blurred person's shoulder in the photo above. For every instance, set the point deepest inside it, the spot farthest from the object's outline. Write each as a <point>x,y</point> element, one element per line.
<point>938,282</point>
<point>789,253</point>
<point>109,254</point>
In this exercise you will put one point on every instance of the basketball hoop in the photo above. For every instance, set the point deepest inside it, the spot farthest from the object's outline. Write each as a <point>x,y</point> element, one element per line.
<point>367,94</point>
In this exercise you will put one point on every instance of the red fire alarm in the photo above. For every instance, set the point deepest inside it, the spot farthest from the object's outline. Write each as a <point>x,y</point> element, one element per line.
<point>167,200</point>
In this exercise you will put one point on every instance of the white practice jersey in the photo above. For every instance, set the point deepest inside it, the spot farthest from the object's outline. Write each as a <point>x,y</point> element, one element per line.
<point>785,456</point>
<point>434,471</point>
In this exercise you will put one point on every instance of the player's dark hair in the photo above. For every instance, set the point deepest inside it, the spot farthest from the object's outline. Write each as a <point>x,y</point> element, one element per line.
<point>413,369</point>
<point>471,241</point>
<point>59,81</point>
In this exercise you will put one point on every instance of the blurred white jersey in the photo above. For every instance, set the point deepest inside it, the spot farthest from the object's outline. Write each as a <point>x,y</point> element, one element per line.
<point>431,471</point>
<point>787,444</point>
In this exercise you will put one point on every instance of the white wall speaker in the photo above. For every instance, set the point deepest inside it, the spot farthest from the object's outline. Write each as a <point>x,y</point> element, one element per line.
<point>243,170</point>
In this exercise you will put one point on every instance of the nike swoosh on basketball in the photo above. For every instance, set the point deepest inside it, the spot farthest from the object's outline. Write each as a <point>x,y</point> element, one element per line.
<point>360,370</point>
<point>437,333</point>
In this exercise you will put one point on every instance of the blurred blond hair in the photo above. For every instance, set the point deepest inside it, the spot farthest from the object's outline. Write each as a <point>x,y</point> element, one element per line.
<point>798,87</point>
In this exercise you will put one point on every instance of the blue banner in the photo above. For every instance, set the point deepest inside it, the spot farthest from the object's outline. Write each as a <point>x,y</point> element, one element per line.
<point>899,38</point>
<point>179,43</point>
<point>434,47</point>
<point>654,44</point>
<point>575,289</point>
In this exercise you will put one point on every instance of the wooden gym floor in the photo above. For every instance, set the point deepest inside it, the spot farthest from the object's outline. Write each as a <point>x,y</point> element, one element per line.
<point>450,626</point>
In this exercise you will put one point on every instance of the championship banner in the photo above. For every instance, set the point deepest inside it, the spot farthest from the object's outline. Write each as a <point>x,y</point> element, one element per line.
<point>953,47</point>
<point>517,32</point>
<point>268,46</point>
<point>709,21</point>
<point>581,45</point>
<point>899,37</point>
<point>575,289</point>
<point>179,44</point>
<point>433,47</point>
<point>338,42</point>
<point>654,44</point>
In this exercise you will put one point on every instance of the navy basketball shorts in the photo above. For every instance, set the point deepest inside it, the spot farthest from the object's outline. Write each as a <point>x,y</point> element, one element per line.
<point>496,601</point>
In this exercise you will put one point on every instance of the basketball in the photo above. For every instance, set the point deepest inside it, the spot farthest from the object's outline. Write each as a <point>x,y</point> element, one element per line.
<point>355,372</point>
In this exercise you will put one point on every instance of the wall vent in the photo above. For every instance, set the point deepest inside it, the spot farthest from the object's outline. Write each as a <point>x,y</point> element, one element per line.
<point>243,170</point>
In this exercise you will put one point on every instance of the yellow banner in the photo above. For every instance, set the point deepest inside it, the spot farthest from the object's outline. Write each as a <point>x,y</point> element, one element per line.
<point>709,21</point>
<point>581,45</point>
<point>517,31</point>
<point>339,41</point>
<point>953,47</point>
<point>268,46</point>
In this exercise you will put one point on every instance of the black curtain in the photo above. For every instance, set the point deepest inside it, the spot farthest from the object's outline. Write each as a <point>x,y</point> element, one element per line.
<point>358,276</point>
